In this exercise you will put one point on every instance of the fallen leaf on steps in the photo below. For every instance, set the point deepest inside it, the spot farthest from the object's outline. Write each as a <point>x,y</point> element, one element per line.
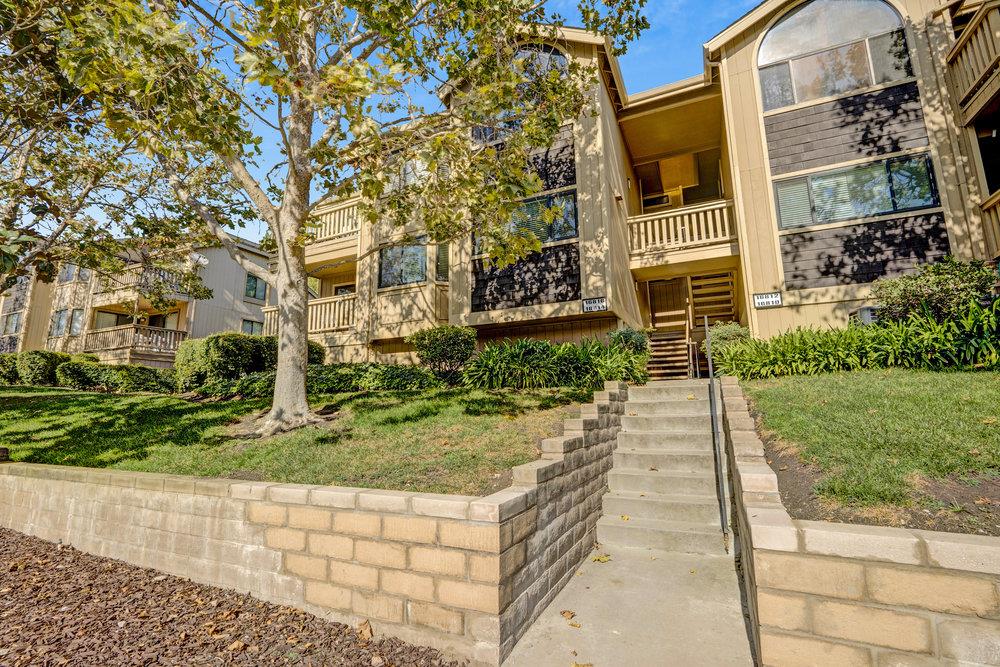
<point>567,614</point>
<point>654,469</point>
<point>365,631</point>
<point>574,625</point>
<point>603,558</point>
<point>692,397</point>
<point>782,468</point>
<point>625,517</point>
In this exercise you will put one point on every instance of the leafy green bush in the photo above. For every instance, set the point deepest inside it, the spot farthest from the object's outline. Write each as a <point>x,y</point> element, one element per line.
<point>535,364</point>
<point>388,377</point>
<point>724,333</point>
<point>230,356</point>
<point>634,340</point>
<point>969,341</point>
<point>38,367</point>
<point>85,358</point>
<point>86,375</point>
<point>942,290</point>
<point>320,379</point>
<point>8,368</point>
<point>444,349</point>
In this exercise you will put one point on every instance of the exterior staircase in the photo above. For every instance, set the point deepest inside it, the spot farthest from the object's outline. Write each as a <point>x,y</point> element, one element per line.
<point>663,486</point>
<point>668,358</point>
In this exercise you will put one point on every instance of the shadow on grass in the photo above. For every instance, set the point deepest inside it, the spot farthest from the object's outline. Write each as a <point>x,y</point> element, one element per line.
<point>99,430</point>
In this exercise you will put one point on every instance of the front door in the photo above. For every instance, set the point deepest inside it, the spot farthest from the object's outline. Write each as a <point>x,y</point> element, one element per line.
<point>668,304</point>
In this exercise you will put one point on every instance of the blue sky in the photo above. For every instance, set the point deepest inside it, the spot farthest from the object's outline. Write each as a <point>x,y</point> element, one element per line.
<point>671,49</point>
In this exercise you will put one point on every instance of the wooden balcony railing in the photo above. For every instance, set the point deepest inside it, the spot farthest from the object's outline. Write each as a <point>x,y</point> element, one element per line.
<point>327,315</point>
<point>338,222</point>
<point>975,57</point>
<point>137,277</point>
<point>681,228</point>
<point>991,224</point>
<point>145,339</point>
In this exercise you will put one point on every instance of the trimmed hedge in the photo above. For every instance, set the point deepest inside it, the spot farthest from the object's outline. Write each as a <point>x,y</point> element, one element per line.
<point>444,349</point>
<point>38,367</point>
<point>940,290</point>
<point>387,377</point>
<point>83,356</point>
<point>968,342</point>
<point>332,379</point>
<point>8,368</point>
<point>86,375</point>
<point>230,356</point>
<point>539,364</point>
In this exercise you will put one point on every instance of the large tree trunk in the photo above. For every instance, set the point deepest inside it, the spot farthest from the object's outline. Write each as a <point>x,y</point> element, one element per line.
<point>290,407</point>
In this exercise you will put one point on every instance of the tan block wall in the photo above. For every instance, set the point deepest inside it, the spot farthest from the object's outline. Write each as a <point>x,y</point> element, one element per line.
<point>465,575</point>
<point>825,593</point>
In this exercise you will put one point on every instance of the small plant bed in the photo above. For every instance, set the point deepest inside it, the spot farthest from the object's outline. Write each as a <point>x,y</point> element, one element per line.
<point>913,449</point>
<point>457,441</point>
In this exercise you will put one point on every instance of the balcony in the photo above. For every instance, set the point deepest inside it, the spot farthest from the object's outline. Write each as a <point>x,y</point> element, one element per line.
<point>337,233</point>
<point>682,234</point>
<point>130,283</point>
<point>329,315</point>
<point>135,338</point>
<point>974,61</point>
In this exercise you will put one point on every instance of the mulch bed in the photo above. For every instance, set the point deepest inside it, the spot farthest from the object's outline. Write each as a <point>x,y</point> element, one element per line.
<point>953,506</point>
<point>60,606</point>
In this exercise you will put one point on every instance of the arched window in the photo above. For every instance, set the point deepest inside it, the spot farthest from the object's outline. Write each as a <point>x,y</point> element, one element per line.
<point>826,48</point>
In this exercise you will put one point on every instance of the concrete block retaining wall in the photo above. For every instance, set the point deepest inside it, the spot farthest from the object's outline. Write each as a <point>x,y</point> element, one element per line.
<point>826,593</point>
<point>465,575</point>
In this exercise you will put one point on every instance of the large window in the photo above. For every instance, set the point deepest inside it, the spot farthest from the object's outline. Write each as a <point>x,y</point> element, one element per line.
<point>402,265</point>
<point>58,326</point>
<point>827,48</point>
<point>256,288</point>
<point>11,324</point>
<point>253,328</point>
<point>76,322</point>
<point>876,188</point>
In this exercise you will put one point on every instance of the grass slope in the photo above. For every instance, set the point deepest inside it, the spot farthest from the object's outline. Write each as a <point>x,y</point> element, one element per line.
<point>875,434</point>
<point>445,441</point>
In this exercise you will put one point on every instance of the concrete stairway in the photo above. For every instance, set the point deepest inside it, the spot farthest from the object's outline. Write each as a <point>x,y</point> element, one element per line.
<point>664,478</point>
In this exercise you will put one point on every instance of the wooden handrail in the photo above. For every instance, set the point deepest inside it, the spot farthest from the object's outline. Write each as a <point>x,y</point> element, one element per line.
<point>134,336</point>
<point>329,314</point>
<point>337,221</point>
<point>975,56</point>
<point>679,228</point>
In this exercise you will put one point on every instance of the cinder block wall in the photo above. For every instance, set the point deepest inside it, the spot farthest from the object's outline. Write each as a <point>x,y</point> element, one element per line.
<point>465,575</point>
<point>839,594</point>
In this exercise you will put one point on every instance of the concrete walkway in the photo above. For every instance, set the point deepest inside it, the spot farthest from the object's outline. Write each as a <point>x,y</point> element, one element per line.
<point>643,609</point>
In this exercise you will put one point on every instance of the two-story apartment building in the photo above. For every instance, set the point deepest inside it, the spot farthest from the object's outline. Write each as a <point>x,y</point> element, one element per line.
<point>828,143</point>
<point>111,317</point>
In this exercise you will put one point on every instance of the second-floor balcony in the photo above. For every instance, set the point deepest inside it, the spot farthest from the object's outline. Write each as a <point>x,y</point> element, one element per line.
<point>974,61</point>
<point>131,282</point>
<point>682,232</point>
<point>135,338</point>
<point>329,315</point>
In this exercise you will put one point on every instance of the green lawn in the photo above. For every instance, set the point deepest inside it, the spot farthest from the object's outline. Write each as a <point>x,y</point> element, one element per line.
<point>445,441</point>
<point>876,434</point>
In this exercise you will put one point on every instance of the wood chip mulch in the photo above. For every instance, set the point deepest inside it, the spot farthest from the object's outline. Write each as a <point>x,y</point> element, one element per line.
<point>60,606</point>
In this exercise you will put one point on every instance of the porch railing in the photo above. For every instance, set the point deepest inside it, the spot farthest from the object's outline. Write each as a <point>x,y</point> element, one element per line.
<point>137,277</point>
<point>991,223</point>
<point>135,337</point>
<point>681,228</point>
<point>338,222</point>
<point>975,57</point>
<point>326,315</point>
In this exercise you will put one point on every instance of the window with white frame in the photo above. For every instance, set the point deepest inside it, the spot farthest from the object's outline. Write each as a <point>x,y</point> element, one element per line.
<point>896,185</point>
<point>828,48</point>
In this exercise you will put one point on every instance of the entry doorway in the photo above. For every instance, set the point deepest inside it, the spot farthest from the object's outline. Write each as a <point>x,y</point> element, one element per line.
<point>668,304</point>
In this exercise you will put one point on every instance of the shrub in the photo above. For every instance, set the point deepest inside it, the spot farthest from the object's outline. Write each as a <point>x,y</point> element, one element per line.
<point>635,341</point>
<point>230,356</point>
<point>8,368</point>
<point>38,367</point>
<point>617,364</point>
<point>387,377</point>
<point>724,333</point>
<point>85,358</point>
<point>444,349</point>
<point>942,290</point>
<point>320,379</point>
<point>969,341</point>
<point>521,364</point>
<point>84,375</point>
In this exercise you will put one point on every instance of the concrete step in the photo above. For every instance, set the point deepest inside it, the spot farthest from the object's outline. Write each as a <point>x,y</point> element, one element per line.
<point>673,483</point>
<point>674,461</point>
<point>694,509</point>
<point>667,424</point>
<point>675,536</point>
<point>665,441</point>
<point>683,408</point>
<point>668,391</point>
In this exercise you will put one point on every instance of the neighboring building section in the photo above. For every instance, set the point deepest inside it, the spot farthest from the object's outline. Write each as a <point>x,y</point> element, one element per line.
<point>109,316</point>
<point>828,144</point>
